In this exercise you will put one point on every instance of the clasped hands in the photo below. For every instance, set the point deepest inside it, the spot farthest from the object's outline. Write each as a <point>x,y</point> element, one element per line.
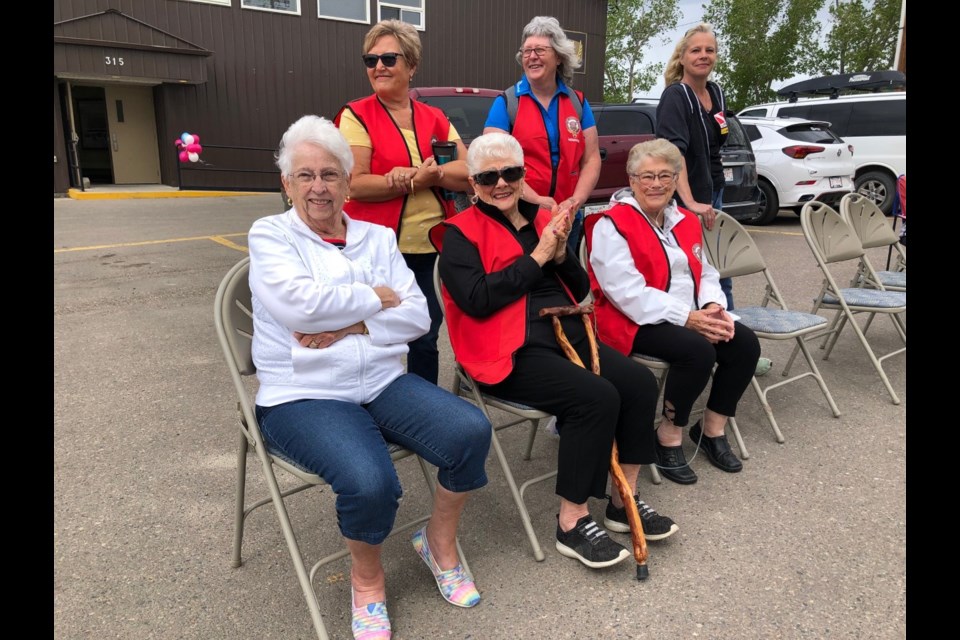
<point>322,340</point>
<point>712,322</point>
<point>406,179</point>
<point>553,239</point>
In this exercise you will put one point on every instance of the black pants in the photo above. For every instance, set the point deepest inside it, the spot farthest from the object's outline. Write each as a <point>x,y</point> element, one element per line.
<point>591,411</point>
<point>424,356</point>
<point>691,358</point>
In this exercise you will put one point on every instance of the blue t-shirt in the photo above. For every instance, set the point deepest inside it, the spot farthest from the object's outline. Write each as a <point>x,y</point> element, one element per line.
<point>499,118</point>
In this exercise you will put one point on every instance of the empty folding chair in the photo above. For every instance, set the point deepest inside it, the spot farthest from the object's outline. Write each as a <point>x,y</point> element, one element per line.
<point>874,231</point>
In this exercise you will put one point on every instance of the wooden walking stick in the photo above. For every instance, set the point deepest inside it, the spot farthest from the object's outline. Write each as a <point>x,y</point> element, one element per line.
<point>620,480</point>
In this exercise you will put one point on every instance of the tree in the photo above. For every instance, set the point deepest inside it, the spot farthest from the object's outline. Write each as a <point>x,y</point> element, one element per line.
<point>862,38</point>
<point>762,41</point>
<point>631,25</point>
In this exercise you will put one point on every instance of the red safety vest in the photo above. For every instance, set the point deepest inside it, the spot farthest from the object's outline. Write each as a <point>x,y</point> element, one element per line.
<point>390,150</point>
<point>484,347</point>
<point>530,130</point>
<point>650,257</point>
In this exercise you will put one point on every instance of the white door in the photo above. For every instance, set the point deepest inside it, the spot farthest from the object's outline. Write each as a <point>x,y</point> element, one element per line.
<point>133,135</point>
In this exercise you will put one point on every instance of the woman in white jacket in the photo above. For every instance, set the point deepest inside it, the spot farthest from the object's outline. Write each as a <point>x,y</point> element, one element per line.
<point>334,308</point>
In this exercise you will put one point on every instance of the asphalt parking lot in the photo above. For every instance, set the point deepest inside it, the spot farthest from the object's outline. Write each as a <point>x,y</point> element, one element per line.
<point>809,541</point>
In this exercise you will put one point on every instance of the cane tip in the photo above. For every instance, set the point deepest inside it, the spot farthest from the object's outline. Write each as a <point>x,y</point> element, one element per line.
<point>642,572</point>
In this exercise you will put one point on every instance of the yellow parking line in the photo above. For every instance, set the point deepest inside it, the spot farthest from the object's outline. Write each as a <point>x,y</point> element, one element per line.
<point>144,243</point>
<point>227,243</point>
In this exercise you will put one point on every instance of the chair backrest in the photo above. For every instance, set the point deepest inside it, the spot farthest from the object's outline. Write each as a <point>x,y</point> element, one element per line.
<point>731,249</point>
<point>867,221</point>
<point>233,318</point>
<point>829,237</point>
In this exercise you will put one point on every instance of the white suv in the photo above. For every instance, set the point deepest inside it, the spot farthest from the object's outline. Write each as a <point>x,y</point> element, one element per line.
<point>875,124</point>
<point>798,161</point>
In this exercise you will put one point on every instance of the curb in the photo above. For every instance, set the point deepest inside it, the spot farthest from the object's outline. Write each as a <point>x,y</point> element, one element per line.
<point>76,194</point>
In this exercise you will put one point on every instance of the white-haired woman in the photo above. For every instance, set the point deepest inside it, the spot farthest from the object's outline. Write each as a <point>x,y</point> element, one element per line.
<point>501,261</point>
<point>559,141</point>
<point>334,307</point>
<point>656,294</point>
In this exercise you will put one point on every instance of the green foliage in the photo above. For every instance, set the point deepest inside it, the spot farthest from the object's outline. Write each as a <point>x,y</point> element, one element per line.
<point>631,26</point>
<point>763,41</point>
<point>862,38</point>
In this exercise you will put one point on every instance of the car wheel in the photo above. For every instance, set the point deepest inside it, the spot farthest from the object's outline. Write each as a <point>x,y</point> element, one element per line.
<point>879,187</point>
<point>769,204</point>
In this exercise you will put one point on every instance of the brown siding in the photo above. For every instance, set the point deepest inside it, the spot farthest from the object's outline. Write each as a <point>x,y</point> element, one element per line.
<point>267,69</point>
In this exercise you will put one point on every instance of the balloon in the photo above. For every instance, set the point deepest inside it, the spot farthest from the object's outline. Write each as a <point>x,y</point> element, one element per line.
<point>184,136</point>
<point>183,156</point>
<point>188,139</point>
<point>193,156</point>
<point>178,142</point>
<point>194,148</point>
<point>196,139</point>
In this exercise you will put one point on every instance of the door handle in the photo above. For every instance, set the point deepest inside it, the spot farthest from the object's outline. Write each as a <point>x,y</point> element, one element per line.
<point>603,153</point>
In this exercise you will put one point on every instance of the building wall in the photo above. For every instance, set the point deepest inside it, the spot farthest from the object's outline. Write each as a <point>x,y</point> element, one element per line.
<point>267,69</point>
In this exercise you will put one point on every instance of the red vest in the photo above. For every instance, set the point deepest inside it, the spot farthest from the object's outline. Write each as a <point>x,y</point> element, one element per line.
<point>650,257</point>
<point>485,346</point>
<point>531,132</point>
<point>390,150</point>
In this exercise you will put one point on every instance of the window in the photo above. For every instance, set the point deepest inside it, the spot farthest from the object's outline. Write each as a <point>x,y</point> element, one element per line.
<point>836,113</point>
<point>736,136</point>
<point>411,11</point>
<point>624,123</point>
<point>815,133</point>
<point>879,118</point>
<point>752,131</point>
<point>283,6</point>
<point>349,10</point>
<point>225,3</point>
<point>467,113</point>
<point>754,113</point>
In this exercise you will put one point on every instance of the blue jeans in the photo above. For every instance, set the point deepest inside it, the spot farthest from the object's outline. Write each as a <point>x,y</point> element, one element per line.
<point>424,357</point>
<point>726,284</point>
<point>346,445</point>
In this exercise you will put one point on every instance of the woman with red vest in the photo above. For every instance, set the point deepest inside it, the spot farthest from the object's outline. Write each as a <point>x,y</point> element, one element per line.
<point>396,180</point>
<point>503,260</point>
<point>553,122</point>
<point>656,295</point>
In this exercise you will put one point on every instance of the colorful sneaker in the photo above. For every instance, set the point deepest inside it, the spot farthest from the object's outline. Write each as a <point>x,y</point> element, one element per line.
<point>370,622</point>
<point>655,526</point>
<point>455,584</point>
<point>590,544</point>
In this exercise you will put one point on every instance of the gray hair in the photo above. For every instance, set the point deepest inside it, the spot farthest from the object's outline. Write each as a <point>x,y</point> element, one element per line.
<point>659,148</point>
<point>318,131</point>
<point>549,27</point>
<point>492,145</point>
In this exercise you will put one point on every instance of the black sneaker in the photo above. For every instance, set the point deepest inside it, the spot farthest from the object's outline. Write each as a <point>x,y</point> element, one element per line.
<point>655,526</point>
<point>590,544</point>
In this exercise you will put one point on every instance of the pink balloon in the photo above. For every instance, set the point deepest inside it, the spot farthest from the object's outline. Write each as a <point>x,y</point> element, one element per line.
<point>194,148</point>
<point>184,157</point>
<point>193,156</point>
<point>196,139</point>
<point>178,142</point>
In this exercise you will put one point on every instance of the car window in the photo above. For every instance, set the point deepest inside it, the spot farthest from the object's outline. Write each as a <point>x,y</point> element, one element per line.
<point>623,123</point>
<point>752,131</point>
<point>467,113</point>
<point>736,138</point>
<point>878,118</point>
<point>755,113</point>
<point>808,132</point>
<point>836,113</point>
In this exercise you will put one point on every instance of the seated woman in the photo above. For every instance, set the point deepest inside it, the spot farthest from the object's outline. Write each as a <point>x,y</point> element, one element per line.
<point>334,307</point>
<point>657,295</point>
<point>503,260</point>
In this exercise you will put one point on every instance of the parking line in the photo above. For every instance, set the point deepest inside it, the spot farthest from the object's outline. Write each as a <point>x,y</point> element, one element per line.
<point>219,238</point>
<point>782,233</point>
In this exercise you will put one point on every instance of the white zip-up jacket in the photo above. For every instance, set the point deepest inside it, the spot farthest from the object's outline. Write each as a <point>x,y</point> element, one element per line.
<point>301,283</point>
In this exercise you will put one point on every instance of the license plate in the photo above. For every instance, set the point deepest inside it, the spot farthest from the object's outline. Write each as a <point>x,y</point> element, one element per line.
<point>590,209</point>
<point>728,174</point>
<point>836,183</point>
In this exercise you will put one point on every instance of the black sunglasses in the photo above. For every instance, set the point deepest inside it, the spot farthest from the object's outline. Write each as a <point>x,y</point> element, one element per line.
<point>490,178</point>
<point>388,59</point>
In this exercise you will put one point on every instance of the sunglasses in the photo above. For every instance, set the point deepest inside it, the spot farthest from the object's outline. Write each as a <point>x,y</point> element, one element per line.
<point>388,59</point>
<point>492,177</point>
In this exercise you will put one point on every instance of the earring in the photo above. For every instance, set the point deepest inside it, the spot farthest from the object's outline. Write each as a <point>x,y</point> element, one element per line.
<point>474,198</point>
<point>348,198</point>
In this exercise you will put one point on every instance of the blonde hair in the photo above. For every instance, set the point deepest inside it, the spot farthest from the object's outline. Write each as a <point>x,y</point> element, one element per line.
<point>406,34</point>
<point>658,148</point>
<point>674,70</point>
<point>549,27</point>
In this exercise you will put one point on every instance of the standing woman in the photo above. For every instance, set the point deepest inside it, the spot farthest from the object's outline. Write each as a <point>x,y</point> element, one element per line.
<point>396,180</point>
<point>552,122</point>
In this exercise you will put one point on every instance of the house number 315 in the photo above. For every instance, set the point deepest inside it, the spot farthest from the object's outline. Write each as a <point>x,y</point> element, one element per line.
<point>117,62</point>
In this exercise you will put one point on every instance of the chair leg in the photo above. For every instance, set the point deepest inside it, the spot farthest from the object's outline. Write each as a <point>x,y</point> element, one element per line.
<point>534,425</point>
<point>744,454</point>
<point>819,378</point>
<point>832,339</point>
<point>518,499</point>
<point>876,363</point>
<point>238,517</point>
<point>762,397</point>
<point>655,474</point>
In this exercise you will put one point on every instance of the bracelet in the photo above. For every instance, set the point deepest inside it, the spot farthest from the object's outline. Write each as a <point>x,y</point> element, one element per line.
<point>441,171</point>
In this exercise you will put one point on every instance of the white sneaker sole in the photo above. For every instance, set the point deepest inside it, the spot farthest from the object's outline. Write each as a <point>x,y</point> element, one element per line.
<point>619,527</point>
<point>570,553</point>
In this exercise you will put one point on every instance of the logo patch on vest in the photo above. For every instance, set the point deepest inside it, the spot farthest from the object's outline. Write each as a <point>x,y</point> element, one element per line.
<point>698,252</point>
<point>573,125</point>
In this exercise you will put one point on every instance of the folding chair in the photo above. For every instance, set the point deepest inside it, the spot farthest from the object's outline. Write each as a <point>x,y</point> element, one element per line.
<point>833,241</point>
<point>734,253</point>
<point>868,222</point>
<point>659,368</point>
<point>233,318</point>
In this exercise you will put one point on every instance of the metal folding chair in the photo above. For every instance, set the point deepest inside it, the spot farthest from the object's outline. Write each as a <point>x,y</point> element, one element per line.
<point>233,318</point>
<point>868,222</point>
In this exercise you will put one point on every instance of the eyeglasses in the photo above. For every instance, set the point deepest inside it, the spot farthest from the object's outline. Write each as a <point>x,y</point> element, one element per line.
<point>330,176</point>
<point>540,51</point>
<point>492,177</point>
<point>388,59</point>
<point>647,179</point>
